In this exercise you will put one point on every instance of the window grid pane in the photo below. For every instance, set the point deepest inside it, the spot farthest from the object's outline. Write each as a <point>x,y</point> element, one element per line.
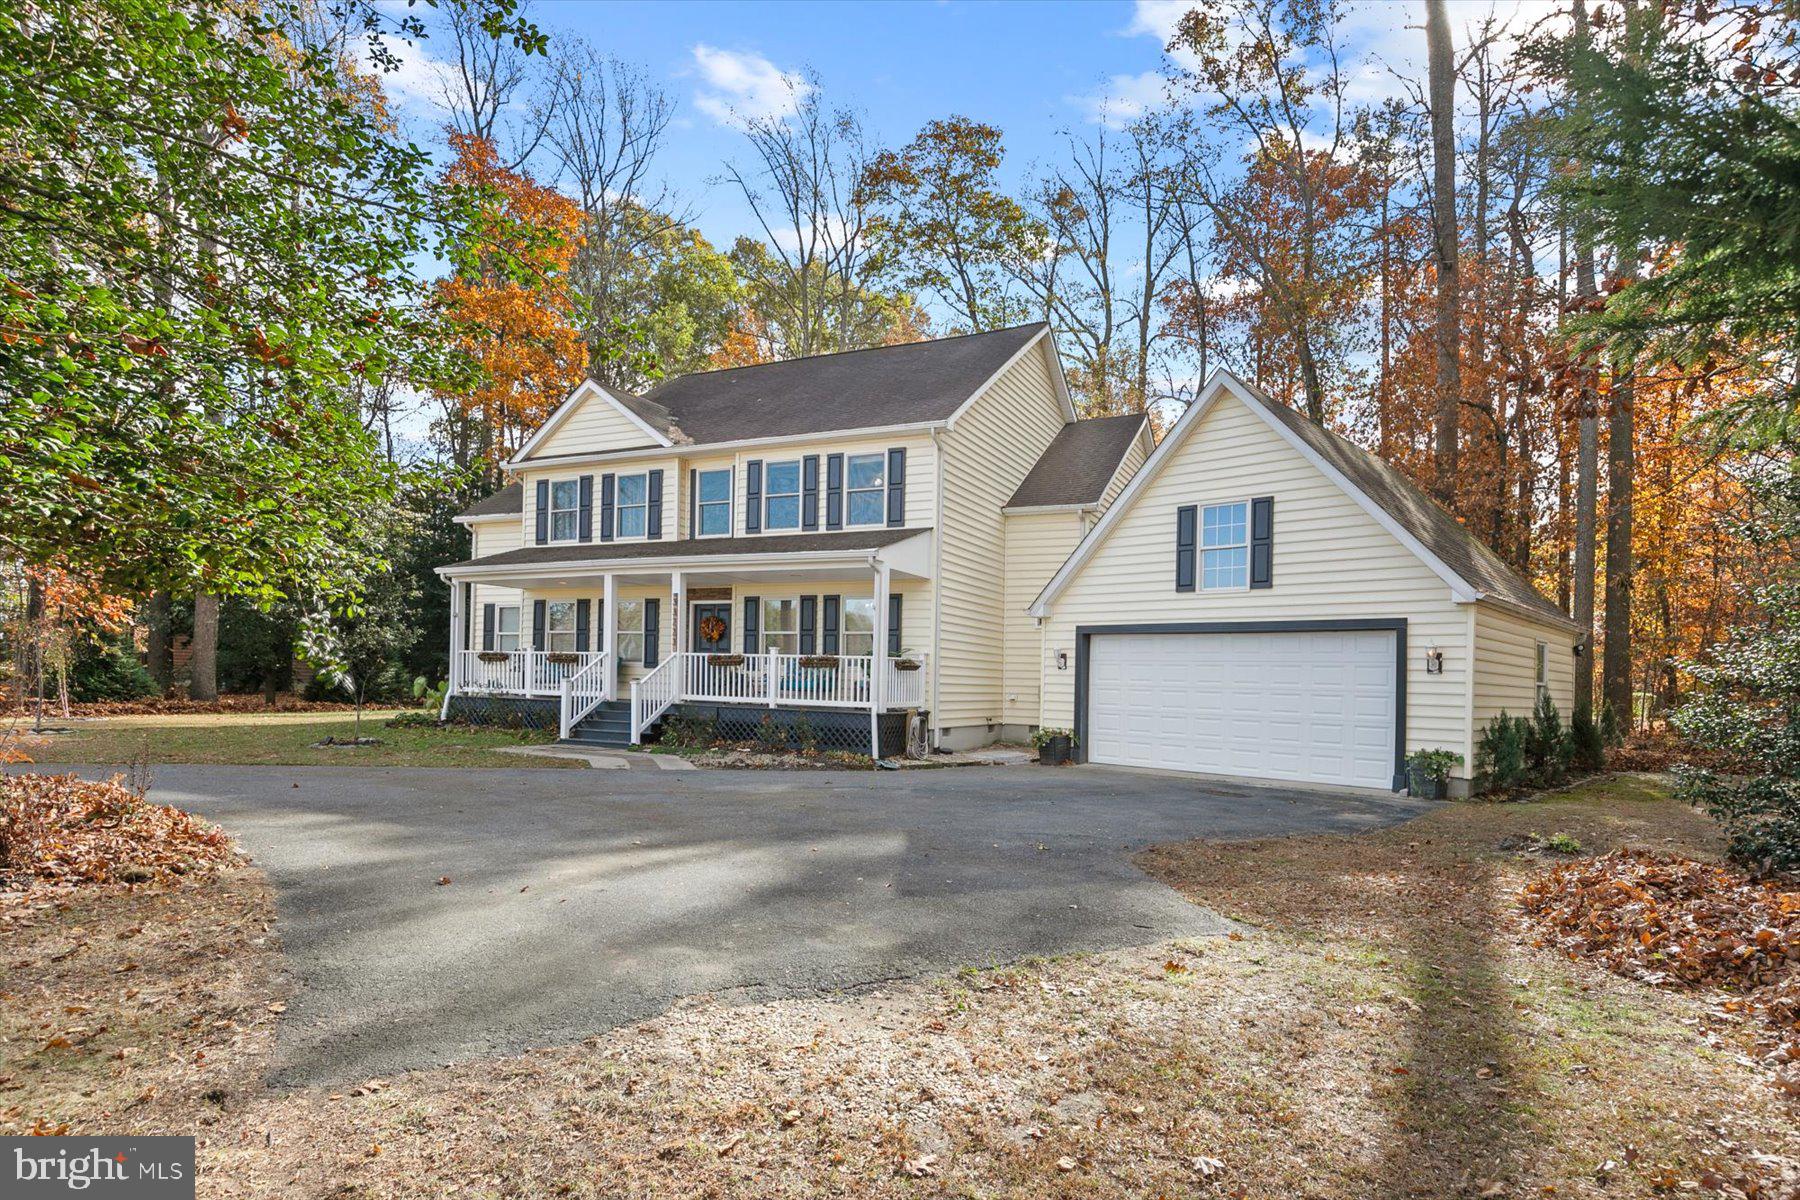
<point>783,512</point>
<point>715,519</point>
<point>631,521</point>
<point>715,486</point>
<point>1227,568</point>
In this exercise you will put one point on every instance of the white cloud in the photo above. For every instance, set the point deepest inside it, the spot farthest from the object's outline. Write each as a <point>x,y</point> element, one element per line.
<point>418,85</point>
<point>742,85</point>
<point>1123,99</point>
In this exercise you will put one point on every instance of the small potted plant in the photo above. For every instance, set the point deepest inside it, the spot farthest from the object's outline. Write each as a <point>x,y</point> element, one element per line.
<point>1054,746</point>
<point>907,660</point>
<point>1428,772</point>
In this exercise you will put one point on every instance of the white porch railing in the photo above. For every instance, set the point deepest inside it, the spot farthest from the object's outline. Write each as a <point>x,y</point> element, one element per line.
<point>831,681</point>
<point>652,695</point>
<point>517,672</point>
<point>904,688</point>
<point>583,691</point>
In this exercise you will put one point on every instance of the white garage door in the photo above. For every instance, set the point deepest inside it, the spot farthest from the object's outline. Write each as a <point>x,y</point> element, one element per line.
<point>1312,707</point>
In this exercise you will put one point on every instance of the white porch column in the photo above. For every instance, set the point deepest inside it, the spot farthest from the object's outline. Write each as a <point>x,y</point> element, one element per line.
<point>678,602</point>
<point>878,659</point>
<point>459,621</point>
<point>609,624</point>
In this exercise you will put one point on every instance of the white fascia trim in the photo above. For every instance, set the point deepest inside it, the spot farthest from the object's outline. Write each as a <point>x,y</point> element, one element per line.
<point>708,449</point>
<point>1567,624</point>
<point>616,566</point>
<point>567,408</point>
<point>1223,381</point>
<point>1062,385</point>
<point>484,518</point>
<point>1025,510</point>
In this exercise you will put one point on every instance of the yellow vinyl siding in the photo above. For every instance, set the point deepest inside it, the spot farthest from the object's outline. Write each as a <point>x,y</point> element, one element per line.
<point>985,458</point>
<point>1036,545</point>
<point>491,537</point>
<point>673,478</point>
<point>1506,665</point>
<point>594,427</point>
<point>1331,560</point>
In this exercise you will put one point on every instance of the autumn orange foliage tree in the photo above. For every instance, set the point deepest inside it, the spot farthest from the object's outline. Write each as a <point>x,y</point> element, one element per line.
<point>508,306</point>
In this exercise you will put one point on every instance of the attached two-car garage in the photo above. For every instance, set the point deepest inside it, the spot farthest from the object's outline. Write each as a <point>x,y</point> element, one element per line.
<point>1310,705</point>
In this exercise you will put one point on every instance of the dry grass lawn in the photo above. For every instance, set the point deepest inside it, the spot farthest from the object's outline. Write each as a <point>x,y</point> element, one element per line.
<point>1382,1028</point>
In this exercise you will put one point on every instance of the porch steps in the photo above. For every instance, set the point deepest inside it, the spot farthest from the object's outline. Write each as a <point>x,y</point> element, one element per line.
<point>608,725</point>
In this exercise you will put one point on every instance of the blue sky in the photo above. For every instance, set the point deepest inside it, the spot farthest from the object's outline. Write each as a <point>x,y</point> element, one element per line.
<point>1034,69</point>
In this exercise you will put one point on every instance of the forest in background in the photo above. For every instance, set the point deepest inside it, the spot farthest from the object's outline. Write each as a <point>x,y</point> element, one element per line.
<point>1551,281</point>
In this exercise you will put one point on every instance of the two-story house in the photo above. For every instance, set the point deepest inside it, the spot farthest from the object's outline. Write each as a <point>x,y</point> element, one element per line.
<point>923,539</point>
<point>843,546</point>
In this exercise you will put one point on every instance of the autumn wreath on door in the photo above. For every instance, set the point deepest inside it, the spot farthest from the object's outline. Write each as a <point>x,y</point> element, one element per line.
<point>712,629</point>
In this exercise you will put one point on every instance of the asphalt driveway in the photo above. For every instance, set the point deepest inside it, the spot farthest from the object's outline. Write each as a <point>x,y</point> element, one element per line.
<point>583,900</point>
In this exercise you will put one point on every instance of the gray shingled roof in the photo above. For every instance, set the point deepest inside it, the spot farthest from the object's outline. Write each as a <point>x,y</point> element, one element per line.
<point>509,499</point>
<point>1079,462</point>
<point>858,389</point>
<point>1416,512</point>
<point>769,543</point>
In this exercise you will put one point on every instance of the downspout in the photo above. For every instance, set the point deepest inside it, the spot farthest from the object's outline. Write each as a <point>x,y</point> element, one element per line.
<point>937,591</point>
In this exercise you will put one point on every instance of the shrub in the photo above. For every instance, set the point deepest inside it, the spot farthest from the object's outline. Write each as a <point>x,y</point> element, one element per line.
<point>688,731</point>
<point>1587,749</point>
<point>1547,745</point>
<point>1500,754</point>
<point>770,736</point>
<point>1434,764</point>
<point>804,736</point>
<point>109,671</point>
<point>1610,733</point>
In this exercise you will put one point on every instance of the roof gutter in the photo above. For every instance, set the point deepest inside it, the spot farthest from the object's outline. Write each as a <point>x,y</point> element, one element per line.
<point>850,556</point>
<point>697,449</point>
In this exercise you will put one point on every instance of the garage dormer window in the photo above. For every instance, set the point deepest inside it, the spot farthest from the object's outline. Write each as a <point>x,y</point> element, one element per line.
<point>781,495</point>
<point>1225,547</point>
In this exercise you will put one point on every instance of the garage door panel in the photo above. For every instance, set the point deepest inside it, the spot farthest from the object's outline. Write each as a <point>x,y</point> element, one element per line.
<point>1314,707</point>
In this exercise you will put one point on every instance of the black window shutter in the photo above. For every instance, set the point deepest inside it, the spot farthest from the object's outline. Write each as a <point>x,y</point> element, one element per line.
<point>809,492</point>
<point>833,606</point>
<point>896,481</point>
<point>652,630</point>
<point>693,503</point>
<point>834,491</point>
<point>606,508</point>
<point>894,607</point>
<point>543,511</point>
<point>468,606</point>
<point>653,505</point>
<point>487,627</point>
<point>753,496</point>
<point>752,615</point>
<point>582,610</point>
<point>537,624</point>
<point>587,508</point>
<point>809,624</point>
<point>1185,518</point>
<point>1262,542</point>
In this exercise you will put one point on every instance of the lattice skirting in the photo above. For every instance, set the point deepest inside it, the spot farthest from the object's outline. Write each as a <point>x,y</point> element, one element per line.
<point>825,728</point>
<point>508,712</point>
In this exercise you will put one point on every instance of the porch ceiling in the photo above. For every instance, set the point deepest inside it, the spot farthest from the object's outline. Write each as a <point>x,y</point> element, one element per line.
<point>704,562</point>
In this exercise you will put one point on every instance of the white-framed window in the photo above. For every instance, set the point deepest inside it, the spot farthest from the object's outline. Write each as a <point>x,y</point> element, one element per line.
<point>631,505</point>
<point>865,487</point>
<point>1543,670</point>
<point>506,627</point>
<point>713,494</point>
<point>565,510</point>
<point>629,633</point>
<point>1225,547</point>
<point>858,635</point>
<point>780,626</point>
<point>781,495</point>
<point>559,626</point>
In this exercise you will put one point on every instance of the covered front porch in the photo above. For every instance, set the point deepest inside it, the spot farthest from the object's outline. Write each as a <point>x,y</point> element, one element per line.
<point>619,641</point>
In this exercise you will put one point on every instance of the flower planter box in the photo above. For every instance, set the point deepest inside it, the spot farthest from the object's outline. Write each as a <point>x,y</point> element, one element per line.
<point>1422,786</point>
<point>904,664</point>
<point>819,662</point>
<point>562,659</point>
<point>493,656</point>
<point>1055,751</point>
<point>724,660</point>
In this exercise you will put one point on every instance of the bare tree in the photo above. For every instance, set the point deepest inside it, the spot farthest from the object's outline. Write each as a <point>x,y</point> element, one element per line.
<point>803,187</point>
<point>487,83</point>
<point>1442,73</point>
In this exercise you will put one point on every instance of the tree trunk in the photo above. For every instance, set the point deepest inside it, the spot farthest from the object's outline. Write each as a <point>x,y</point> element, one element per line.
<point>159,645</point>
<point>1621,466</point>
<point>1587,466</point>
<point>1443,219</point>
<point>203,662</point>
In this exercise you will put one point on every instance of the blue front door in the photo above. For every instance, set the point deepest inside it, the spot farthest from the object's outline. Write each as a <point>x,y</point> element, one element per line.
<point>714,619</point>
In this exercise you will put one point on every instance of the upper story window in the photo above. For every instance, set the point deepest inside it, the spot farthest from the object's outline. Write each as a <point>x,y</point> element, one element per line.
<point>781,495</point>
<point>713,495</point>
<point>565,510</point>
<point>1225,547</point>
<point>632,514</point>
<point>866,483</point>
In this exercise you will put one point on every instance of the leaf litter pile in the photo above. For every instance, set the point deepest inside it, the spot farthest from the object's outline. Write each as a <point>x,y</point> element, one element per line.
<point>61,830</point>
<point>1672,921</point>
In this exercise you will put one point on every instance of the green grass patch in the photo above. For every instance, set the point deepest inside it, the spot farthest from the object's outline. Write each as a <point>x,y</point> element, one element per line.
<point>284,739</point>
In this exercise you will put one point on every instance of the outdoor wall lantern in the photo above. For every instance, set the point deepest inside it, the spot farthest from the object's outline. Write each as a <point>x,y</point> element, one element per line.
<point>1434,661</point>
<point>1062,660</point>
